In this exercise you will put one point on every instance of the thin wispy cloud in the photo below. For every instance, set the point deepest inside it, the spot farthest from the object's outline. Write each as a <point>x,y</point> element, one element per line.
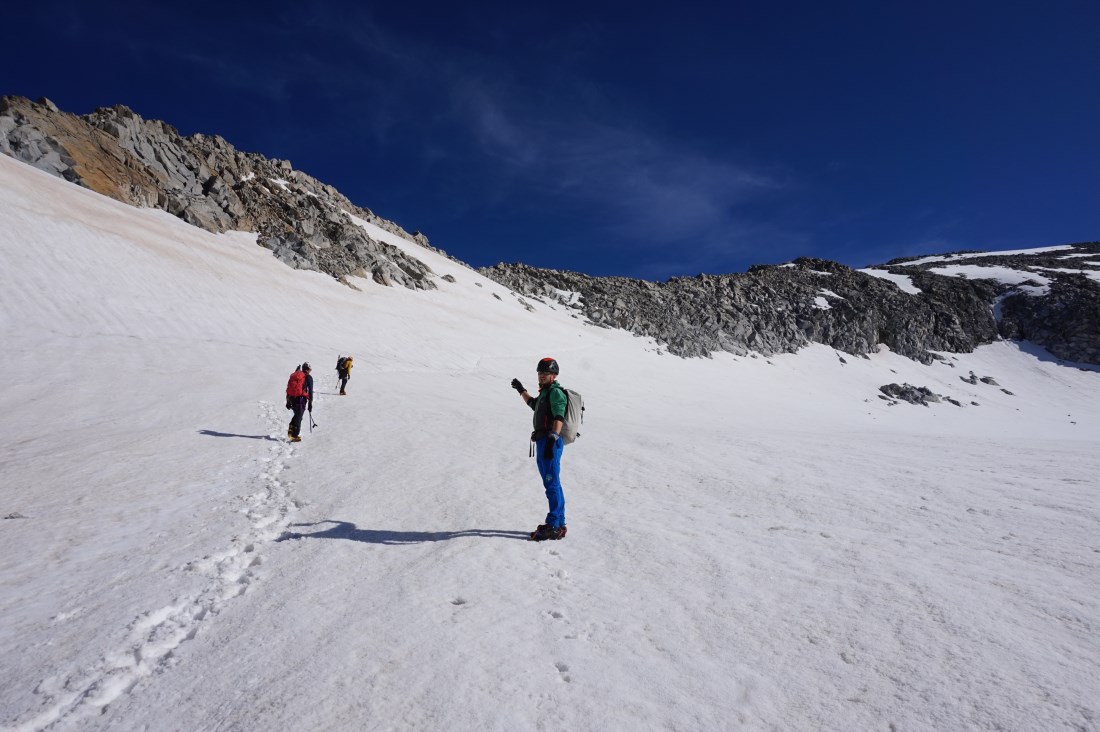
<point>552,138</point>
<point>551,135</point>
<point>650,190</point>
<point>497,133</point>
<point>660,188</point>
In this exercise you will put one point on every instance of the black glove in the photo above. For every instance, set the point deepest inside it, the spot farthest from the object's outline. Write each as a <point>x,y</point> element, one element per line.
<point>518,386</point>
<point>549,445</point>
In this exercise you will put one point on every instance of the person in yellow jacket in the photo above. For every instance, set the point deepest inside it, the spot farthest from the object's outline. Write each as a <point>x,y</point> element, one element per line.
<point>343,372</point>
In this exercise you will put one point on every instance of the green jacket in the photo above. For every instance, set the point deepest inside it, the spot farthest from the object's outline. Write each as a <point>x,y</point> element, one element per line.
<point>549,405</point>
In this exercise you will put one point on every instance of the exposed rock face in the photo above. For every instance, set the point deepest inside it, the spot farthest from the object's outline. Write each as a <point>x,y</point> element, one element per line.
<point>775,309</point>
<point>1066,322</point>
<point>1063,315</point>
<point>772,309</point>
<point>206,182</point>
<point>1051,298</point>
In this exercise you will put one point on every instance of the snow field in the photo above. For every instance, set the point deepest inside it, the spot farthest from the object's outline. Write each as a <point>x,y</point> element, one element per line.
<point>759,543</point>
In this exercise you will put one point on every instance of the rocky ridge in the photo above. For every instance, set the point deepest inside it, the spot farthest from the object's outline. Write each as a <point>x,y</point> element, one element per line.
<point>1057,303</point>
<point>1051,298</point>
<point>205,181</point>
<point>782,308</point>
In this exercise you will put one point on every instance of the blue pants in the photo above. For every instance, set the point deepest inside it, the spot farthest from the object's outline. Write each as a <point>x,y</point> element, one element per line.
<point>550,472</point>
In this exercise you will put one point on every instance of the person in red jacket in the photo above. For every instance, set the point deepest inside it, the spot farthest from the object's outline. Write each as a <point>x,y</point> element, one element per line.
<point>299,397</point>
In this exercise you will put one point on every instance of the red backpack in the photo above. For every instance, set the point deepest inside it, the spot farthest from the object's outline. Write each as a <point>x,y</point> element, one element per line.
<point>296,387</point>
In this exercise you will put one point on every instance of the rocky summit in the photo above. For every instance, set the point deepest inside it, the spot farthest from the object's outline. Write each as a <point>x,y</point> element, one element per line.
<point>207,182</point>
<point>915,306</point>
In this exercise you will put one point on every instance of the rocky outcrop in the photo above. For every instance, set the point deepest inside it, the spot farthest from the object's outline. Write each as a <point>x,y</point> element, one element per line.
<point>207,182</point>
<point>1066,322</point>
<point>1057,303</point>
<point>772,309</point>
<point>913,394</point>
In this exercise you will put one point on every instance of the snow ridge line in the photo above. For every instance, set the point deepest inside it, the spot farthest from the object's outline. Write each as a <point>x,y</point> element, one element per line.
<point>153,637</point>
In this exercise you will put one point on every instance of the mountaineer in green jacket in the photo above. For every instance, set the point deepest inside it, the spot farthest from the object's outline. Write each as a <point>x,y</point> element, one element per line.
<point>549,407</point>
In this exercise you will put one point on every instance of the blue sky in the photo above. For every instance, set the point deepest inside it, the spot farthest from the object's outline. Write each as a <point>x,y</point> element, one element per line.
<point>626,138</point>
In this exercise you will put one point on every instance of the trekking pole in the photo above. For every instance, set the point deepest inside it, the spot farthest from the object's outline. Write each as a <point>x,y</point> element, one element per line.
<point>312,424</point>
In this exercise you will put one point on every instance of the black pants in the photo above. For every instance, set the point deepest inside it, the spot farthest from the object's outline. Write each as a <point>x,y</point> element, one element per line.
<point>343,381</point>
<point>296,420</point>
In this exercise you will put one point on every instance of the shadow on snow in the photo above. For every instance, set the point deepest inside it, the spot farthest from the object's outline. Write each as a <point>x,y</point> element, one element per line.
<point>212,433</point>
<point>1041,353</point>
<point>347,530</point>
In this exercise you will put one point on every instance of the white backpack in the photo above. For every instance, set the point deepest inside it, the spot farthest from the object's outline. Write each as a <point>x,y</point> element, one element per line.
<point>574,416</point>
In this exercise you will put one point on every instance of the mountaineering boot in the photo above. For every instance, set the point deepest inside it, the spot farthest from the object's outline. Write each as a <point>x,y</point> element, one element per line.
<point>553,533</point>
<point>343,393</point>
<point>295,439</point>
<point>548,527</point>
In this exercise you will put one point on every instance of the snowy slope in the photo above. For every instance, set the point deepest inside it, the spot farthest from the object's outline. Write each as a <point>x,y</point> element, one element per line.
<point>754,543</point>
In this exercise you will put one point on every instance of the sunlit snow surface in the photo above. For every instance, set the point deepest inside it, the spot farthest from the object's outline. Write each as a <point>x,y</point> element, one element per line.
<point>904,282</point>
<point>1025,280</point>
<point>973,255</point>
<point>756,543</point>
<point>1092,274</point>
